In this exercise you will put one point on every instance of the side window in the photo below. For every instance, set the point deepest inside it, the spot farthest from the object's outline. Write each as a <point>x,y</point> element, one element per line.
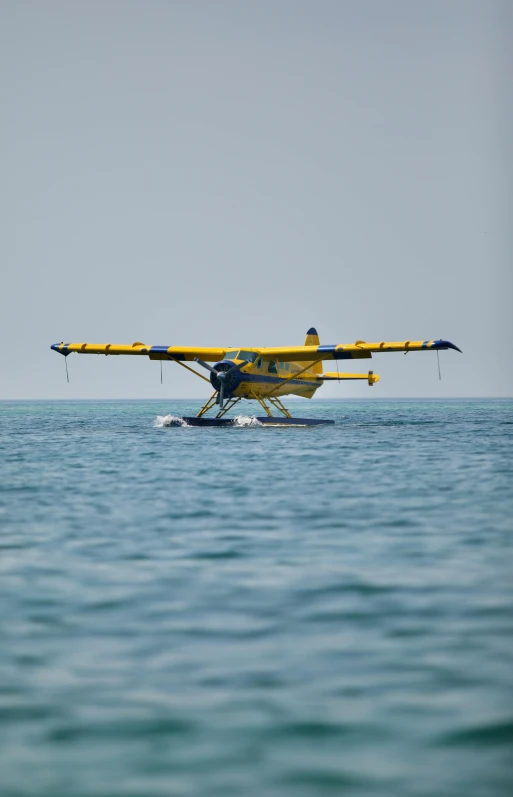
<point>258,363</point>
<point>272,367</point>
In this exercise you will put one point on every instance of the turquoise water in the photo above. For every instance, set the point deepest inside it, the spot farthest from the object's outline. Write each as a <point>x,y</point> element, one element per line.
<point>256,612</point>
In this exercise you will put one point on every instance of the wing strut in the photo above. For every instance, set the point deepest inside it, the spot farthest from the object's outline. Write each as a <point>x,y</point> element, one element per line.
<point>188,368</point>
<point>294,376</point>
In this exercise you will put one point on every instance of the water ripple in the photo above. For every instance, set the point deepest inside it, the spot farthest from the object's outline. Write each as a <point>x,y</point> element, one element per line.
<point>254,611</point>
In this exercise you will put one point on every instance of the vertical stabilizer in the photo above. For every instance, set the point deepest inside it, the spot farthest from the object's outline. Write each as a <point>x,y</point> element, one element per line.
<point>312,339</point>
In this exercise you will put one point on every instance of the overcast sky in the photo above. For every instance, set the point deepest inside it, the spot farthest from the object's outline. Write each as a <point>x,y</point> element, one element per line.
<point>232,173</point>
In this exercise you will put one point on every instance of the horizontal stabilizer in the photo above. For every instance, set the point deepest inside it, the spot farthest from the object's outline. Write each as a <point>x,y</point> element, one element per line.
<point>371,377</point>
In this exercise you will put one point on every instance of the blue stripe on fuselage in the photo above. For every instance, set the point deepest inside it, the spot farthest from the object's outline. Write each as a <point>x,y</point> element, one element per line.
<point>246,377</point>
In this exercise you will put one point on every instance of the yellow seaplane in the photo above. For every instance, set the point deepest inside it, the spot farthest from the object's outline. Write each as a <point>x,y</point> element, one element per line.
<point>264,375</point>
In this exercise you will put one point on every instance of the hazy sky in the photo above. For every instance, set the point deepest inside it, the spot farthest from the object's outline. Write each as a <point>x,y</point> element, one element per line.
<point>232,173</point>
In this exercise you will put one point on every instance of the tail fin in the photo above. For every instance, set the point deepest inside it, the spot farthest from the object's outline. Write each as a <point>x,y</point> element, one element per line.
<point>312,339</point>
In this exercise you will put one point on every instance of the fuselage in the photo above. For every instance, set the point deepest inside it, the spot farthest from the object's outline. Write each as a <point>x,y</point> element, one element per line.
<point>261,377</point>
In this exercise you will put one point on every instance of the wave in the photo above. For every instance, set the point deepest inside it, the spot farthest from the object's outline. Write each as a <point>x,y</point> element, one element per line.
<point>169,420</point>
<point>246,420</point>
<point>240,421</point>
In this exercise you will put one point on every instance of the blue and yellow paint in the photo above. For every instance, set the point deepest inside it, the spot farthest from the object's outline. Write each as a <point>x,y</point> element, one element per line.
<point>266,372</point>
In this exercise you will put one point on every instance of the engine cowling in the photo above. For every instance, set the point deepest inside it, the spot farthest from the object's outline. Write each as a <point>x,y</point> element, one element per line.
<point>231,380</point>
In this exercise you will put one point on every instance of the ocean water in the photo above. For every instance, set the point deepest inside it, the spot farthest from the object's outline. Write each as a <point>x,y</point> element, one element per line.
<point>256,612</point>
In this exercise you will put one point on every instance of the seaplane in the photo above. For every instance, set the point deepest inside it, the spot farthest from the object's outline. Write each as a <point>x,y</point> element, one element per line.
<point>263,375</point>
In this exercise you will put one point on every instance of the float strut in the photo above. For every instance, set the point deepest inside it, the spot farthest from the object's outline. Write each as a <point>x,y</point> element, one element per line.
<point>275,401</point>
<point>208,405</point>
<point>263,405</point>
<point>229,404</point>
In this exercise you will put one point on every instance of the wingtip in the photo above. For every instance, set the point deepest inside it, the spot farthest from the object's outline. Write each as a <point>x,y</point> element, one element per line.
<point>57,347</point>
<point>446,344</point>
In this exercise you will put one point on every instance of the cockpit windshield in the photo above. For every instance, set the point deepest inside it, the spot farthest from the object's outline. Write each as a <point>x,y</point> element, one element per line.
<point>249,356</point>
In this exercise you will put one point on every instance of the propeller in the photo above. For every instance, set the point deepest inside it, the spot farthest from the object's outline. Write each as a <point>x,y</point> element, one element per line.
<point>219,377</point>
<point>205,365</point>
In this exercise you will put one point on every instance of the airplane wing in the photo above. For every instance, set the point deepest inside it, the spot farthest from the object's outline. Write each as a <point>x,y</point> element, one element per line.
<point>351,351</point>
<point>179,353</point>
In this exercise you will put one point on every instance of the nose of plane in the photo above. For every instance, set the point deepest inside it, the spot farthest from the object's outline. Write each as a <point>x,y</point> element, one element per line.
<point>230,380</point>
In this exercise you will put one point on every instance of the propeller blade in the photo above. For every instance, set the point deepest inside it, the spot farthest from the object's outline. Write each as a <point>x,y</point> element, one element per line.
<point>205,365</point>
<point>236,367</point>
<point>220,395</point>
